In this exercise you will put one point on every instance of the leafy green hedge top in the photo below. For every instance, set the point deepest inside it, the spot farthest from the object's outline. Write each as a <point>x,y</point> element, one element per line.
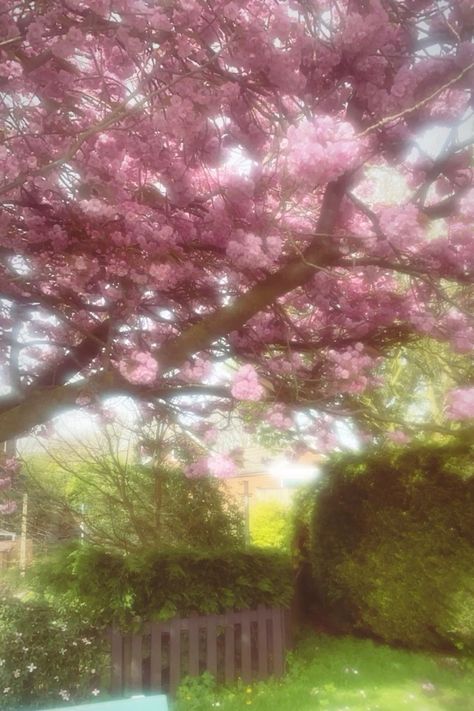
<point>415,479</point>
<point>159,585</point>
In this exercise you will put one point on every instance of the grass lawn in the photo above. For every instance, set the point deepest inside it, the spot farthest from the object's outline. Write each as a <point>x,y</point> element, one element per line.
<point>346,674</point>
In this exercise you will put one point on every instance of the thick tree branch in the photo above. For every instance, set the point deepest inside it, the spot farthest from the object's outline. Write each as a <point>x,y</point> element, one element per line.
<point>321,253</point>
<point>43,404</point>
<point>61,372</point>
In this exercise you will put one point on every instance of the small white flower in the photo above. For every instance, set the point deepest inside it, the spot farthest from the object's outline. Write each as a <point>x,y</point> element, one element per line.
<point>31,667</point>
<point>25,649</point>
<point>64,694</point>
<point>16,673</point>
<point>74,644</point>
<point>92,671</point>
<point>95,692</point>
<point>62,651</point>
<point>56,678</point>
<point>86,641</point>
<point>6,690</point>
<point>2,662</point>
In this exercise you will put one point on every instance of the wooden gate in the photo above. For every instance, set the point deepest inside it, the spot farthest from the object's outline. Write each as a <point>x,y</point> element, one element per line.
<point>249,644</point>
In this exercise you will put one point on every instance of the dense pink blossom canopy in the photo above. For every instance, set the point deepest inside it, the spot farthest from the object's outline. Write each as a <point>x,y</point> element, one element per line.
<point>287,185</point>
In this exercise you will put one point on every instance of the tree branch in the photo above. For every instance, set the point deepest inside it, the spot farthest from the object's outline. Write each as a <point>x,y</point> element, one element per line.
<point>43,404</point>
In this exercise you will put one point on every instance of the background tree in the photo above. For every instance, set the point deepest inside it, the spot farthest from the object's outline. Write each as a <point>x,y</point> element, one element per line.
<point>195,181</point>
<point>118,495</point>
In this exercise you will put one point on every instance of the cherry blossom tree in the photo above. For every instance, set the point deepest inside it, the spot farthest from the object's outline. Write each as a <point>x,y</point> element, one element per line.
<point>192,182</point>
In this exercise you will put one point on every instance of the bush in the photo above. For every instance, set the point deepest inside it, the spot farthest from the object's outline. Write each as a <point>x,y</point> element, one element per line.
<point>393,545</point>
<point>270,524</point>
<point>127,590</point>
<point>47,657</point>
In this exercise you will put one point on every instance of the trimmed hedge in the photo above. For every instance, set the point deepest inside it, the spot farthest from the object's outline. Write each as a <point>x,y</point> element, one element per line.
<point>393,545</point>
<point>161,584</point>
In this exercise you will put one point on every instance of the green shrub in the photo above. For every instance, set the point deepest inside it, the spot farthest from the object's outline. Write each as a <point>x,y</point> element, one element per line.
<point>161,584</point>
<point>47,656</point>
<point>270,524</point>
<point>393,545</point>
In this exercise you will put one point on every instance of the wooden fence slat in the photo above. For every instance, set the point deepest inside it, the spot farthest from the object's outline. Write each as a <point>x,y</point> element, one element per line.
<point>136,680</point>
<point>175,655</point>
<point>127,656</point>
<point>193,646</point>
<point>245,647</point>
<point>288,626</point>
<point>229,648</point>
<point>156,657</point>
<point>117,661</point>
<point>211,644</point>
<point>262,645</point>
<point>277,639</point>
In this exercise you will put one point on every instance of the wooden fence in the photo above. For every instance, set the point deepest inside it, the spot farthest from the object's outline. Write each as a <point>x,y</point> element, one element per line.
<point>249,644</point>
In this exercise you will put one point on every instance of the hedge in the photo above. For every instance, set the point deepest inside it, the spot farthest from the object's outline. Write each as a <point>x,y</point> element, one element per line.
<point>161,584</point>
<point>392,547</point>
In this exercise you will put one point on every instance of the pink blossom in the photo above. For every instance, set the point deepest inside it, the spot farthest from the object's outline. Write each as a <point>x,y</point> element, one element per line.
<point>322,149</point>
<point>97,208</point>
<point>196,371</point>
<point>140,368</point>
<point>245,384</point>
<point>398,437</point>
<point>159,21</point>
<point>216,464</point>
<point>460,404</point>
<point>221,466</point>
<point>278,416</point>
<point>164,275</point>
<point>8,507</point>
<point>246,251</point>
<point>197,468</point>
<point>210,435</point>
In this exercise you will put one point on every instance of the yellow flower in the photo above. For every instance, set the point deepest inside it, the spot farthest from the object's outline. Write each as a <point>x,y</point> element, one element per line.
<point>248,690</point>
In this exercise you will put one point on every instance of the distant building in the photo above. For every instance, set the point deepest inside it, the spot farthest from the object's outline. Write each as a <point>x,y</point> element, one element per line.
<point>263,477</point>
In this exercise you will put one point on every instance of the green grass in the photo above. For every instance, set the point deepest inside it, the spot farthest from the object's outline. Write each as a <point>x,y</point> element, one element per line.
<point>345,674</point>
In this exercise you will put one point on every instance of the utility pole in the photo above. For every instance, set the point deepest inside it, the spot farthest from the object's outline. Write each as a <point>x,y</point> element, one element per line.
<point>24,528</point>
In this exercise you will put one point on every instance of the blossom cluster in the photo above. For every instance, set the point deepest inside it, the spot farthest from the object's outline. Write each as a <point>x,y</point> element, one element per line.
<point>218,464</point>
<point>460,403</point>
<point>139,368</point>
<point>246,385</point>
<point>320,150</point>
<point>351,368</point>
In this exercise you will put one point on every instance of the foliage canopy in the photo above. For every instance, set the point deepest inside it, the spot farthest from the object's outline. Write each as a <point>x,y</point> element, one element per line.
<point>194,181</point>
